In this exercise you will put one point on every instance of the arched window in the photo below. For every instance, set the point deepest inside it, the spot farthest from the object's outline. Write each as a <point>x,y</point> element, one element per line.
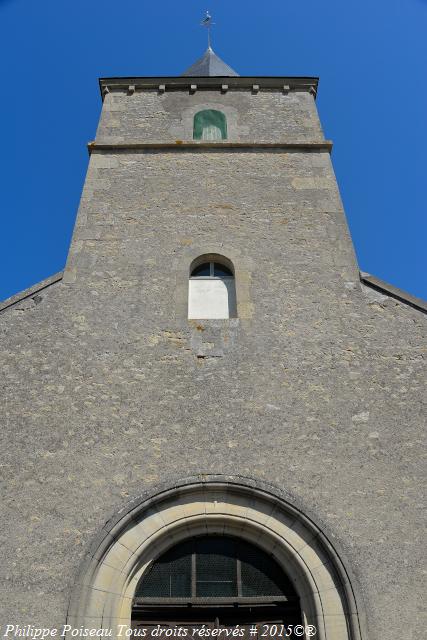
<point>215,567</point>
<point>211,291</point>
<point>217,580</point>
<point>210,124</point>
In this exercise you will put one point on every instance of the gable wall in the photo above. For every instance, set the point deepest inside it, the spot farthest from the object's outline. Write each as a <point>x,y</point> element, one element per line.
<point>110,390</point>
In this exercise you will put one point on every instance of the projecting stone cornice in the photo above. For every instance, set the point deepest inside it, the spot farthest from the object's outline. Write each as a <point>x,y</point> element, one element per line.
<point>32,292</point>
<point>192,84</point>
<point>179,145</point>
<point>391,291</point>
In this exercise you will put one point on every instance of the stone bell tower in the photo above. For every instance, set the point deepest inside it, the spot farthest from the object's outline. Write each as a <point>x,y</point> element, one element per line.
<point>213,163</point>
<point>210,366</point>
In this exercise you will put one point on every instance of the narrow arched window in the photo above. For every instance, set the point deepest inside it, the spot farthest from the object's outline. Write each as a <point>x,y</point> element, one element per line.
<point>210,124</point>
<point>211,291</point>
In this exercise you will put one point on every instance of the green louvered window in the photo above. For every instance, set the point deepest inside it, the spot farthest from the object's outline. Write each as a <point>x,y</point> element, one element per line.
<point>214,567</point>
<point>210,124</point>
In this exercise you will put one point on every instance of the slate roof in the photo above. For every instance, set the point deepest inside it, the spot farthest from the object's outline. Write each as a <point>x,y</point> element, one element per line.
<point>210,65</point>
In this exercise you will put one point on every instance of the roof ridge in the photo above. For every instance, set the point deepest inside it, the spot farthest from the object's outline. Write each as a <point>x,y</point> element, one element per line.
<point>210,64</point>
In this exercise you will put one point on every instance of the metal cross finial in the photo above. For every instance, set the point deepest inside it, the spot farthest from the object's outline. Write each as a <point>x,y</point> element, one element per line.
<point>207,22</point>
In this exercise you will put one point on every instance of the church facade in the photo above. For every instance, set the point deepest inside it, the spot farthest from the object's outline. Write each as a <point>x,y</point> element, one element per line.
<point>210,419</point>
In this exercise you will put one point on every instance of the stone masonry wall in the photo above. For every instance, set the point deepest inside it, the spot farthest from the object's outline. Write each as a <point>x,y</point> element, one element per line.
<point>109,390</point>
<point>268,116</point>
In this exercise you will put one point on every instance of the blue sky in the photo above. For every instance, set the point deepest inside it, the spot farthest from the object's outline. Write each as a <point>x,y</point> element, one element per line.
<point>371,58</point>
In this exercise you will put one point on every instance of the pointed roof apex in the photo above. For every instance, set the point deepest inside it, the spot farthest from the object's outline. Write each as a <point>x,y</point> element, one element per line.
<point>210,65</point>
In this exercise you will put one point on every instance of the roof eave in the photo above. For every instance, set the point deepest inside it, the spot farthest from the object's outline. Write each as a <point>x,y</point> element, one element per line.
<point>180,83</point>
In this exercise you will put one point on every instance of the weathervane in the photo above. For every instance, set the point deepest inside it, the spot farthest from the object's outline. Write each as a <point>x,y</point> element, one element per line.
<point>207,22</point>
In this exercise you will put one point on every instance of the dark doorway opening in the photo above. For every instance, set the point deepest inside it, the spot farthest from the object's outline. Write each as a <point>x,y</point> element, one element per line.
<point>215,583</point>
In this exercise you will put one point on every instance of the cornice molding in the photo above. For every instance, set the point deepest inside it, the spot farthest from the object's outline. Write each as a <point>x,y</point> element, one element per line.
<point>163,84</point>
<point>178,145</point>
<point>393,292</point>
<point>31,291</point>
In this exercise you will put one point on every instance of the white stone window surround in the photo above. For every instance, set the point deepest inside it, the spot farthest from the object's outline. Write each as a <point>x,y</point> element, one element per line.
<point>242,268</point>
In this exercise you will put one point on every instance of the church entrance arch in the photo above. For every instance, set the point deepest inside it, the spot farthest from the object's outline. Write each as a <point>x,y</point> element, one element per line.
<point>141,549</point>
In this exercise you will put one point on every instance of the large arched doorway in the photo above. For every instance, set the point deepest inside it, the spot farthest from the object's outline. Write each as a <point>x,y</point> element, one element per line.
<point>106,591</point>
<point>219,582</point>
